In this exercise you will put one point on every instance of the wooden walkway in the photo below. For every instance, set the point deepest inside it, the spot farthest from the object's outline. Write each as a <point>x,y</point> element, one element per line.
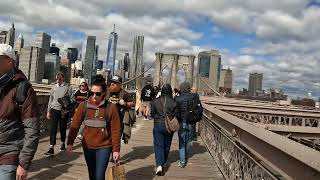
<point>138,158</point>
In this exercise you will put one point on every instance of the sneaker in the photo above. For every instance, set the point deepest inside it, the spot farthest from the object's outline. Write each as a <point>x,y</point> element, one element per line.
<point>159,171</point>
<point>50,152</point>
<point>146,119</point>
<point>63,147</point>
<point>182,164</point>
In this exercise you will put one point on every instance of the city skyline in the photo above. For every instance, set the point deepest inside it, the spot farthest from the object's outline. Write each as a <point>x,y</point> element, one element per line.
<point>278,39</point>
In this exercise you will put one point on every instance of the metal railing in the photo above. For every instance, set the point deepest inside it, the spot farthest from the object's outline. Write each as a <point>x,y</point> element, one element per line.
<point>245,151</point>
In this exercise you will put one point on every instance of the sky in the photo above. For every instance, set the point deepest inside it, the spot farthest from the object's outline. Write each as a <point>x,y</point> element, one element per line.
<point>277,38</point>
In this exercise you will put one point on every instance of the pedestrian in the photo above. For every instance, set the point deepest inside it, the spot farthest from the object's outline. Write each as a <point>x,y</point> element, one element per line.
<point>57,115</point>
<point>123,101</point>
<point>19,126</point>
<point>176,92</point>
<point>147,95</point>
<point>183,115</point>
<point>102,131</point>
<point>161,106</point>
<point>194,92</point>
<point>81,94</point>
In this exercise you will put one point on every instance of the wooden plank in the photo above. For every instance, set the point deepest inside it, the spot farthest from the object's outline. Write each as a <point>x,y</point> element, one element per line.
<point>137,156</point>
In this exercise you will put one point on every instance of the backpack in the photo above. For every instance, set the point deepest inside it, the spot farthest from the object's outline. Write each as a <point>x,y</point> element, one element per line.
<point>106,111</point>
<point>195,109</point>
<point>21,93</point>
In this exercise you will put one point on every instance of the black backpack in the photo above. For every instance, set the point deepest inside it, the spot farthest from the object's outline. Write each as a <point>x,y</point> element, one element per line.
<point>195,109</point>
<point>21,92</point>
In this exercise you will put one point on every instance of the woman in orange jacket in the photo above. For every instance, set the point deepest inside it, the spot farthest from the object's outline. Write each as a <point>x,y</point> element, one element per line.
<point>102,131</point>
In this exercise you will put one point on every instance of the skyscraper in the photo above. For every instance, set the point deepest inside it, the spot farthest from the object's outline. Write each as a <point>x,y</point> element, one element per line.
<point>110,62</point>
<point>209,66</point>
<point>54,49</point>
<point>73,54</point>
<point>255,83</point>
<point>225,82</point>
<point>7,37</point>
<point>43,41</point>
<point>32,61</point>
<point>88,56</point>
<point>19,44</point>
<point>137,57</point>
<point>52,66</point>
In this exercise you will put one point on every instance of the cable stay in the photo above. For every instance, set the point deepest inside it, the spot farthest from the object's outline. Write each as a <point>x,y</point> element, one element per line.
<point>127,82</point>
<point>208,85</point>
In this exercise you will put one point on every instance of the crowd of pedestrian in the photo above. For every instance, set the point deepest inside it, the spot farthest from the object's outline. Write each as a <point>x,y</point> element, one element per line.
<point>100,116</point>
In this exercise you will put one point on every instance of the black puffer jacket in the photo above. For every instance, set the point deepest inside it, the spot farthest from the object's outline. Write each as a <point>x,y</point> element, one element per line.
<point>163,104</point>
<point>183,103</point>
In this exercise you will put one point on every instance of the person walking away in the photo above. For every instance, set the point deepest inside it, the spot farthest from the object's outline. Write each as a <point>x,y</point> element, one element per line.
<point>123,101</point>
<point>56,114</point>
<point>161,137</point>
<point>147,95</point>
<point>19,125</point>
<point>183,115</point>
<point>102,131</point>
<point>196,114</point>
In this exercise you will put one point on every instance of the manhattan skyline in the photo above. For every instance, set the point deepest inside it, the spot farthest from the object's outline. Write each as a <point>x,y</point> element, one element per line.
<point>278,39</point>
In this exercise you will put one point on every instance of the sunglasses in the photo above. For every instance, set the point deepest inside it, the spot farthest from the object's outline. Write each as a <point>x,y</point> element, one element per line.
<point>82,85</point>
<point>95,93</point>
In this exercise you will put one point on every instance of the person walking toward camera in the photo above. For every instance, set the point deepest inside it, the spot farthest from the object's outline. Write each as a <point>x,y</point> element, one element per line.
<point>102,130</point>
<point>161,107</point>
<point>19,125</point>
<point>56,114</point>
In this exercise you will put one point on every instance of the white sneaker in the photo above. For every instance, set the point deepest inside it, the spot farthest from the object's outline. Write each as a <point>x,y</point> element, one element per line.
<point>159,171</point>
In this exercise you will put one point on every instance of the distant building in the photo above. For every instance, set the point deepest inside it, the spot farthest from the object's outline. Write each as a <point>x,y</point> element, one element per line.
<point>88,58</point>
<point>137,57</point>
<point>43,41</point>
<point>225,82</point>
<point>99,64</point>
<point>110,61</point>
<point>51,67</point>
<point>32,61</point>
<point>255,83</point>
<point>8,37</point>
<point>73,54</point>
<point>18,46</point>
<point>54,49</point>
<point>65,68</point>
<point>209,67</point>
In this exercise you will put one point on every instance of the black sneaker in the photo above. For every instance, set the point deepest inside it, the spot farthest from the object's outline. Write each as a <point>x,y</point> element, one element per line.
<point>50,152</point>
<point>63,147</point>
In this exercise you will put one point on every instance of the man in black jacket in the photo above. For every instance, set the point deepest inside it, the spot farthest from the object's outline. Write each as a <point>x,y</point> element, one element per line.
<point>184,116</point>
<point>147,95</point>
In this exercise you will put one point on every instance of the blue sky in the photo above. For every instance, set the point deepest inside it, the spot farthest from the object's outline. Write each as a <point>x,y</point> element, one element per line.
<point>272,37</point>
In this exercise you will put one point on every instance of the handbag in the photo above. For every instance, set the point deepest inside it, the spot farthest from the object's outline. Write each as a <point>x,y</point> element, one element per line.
<point>116,172</point>
<point>65,101</point>
<point>172,123</point>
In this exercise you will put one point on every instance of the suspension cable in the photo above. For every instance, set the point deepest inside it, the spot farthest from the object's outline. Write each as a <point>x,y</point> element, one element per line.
<point>208,85</point>
<point>127,82</point>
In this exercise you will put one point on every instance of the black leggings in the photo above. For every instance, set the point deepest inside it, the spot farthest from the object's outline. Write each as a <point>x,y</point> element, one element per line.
<point>56,120</point>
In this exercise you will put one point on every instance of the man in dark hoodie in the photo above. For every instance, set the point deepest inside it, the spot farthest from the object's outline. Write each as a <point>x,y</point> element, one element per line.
<point>19,126</point>
<point>184,117</point>
<point>148,93</point>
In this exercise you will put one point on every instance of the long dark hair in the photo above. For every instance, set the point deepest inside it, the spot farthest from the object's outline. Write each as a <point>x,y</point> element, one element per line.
<point>166,90</point>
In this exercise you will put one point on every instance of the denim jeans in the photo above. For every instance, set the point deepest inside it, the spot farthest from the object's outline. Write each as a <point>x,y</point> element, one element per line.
<point>8,172</point>
<point>97,161</point>
<point>184,138</point>
<point>162,142</point>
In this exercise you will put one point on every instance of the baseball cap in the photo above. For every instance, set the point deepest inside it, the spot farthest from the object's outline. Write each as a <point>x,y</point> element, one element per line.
<point>6,50</point>
<point>116,79</point>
